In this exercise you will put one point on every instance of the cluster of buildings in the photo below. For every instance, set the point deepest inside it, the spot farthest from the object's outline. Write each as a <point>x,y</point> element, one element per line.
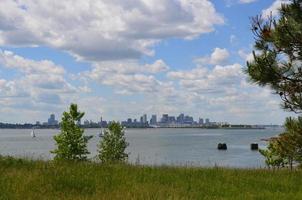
<point>50,122</point>
<point>166,120</point>
<point>91,124</point>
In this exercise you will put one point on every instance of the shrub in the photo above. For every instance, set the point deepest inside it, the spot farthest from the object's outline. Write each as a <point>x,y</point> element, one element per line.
<point>71,142</point>
<point>113,145</point>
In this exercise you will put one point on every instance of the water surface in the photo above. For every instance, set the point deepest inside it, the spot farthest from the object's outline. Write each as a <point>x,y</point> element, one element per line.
<point>159,146</point>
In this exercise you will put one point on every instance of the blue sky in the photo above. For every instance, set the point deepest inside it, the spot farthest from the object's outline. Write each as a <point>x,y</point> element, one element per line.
<point>120,59</point>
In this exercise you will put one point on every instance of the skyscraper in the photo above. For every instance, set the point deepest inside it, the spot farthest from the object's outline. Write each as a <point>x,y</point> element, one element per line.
<point>171,119</point>
<point>188,120</point>
<point>180,118</point>
<point>153,120</point>
<point>145,120</point>
<point>165,118</point>
<point>52,120</point>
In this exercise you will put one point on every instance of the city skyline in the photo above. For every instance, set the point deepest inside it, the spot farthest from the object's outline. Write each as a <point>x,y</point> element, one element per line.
<point>142,119</point>
<point>140,57</point>
<point>168,119</point>
<point>152,121</point>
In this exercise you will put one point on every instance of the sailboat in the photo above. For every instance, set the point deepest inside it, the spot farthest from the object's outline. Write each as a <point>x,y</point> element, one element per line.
<point>32,134</point>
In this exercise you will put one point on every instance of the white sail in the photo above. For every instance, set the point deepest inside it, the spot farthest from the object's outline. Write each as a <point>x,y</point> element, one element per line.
<point>33,133</point>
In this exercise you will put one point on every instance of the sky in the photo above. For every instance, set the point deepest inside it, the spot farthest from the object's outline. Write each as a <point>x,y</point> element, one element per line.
<point>120,59</point>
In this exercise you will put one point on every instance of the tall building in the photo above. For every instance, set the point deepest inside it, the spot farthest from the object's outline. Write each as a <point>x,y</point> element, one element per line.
<point>207,121</point>
<point>180,119</point>
<point>188,120</point>
<point>86,122</point>
<point>165,118</point>
<point>153,120</point>
<point>145,120</point>
<point>102,123</point>
<point>171,119</point>
<point>52,120</point>
<point>201,122</point>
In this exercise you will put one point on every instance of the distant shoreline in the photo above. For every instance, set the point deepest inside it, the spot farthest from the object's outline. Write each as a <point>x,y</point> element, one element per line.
<point>226,128</point>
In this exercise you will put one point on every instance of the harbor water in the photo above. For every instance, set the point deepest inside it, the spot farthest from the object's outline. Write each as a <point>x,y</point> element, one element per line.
<point>157,146</point>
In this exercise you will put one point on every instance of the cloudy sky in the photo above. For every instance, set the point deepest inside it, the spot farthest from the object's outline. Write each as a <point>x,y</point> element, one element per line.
<point>120,59</point>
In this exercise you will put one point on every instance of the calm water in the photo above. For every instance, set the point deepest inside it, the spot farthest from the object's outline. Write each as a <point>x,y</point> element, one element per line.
<point>156,146</point>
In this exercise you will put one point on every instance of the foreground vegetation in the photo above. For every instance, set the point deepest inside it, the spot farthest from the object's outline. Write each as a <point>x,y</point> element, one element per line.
<point>276,64</point>
<point>24,179</point>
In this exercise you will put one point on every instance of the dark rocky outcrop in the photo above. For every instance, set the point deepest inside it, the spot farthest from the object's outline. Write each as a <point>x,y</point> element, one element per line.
<point>222,146</point>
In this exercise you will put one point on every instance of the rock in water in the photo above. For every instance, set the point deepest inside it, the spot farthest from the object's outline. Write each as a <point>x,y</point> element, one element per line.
<point>222,146</point>
<point>254,146</point>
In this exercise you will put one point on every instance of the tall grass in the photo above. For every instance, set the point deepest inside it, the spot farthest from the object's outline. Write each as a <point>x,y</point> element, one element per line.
<point>26,179</point>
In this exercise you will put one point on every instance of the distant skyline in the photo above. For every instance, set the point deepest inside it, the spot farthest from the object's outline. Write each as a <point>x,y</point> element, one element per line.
<point>120,59</point>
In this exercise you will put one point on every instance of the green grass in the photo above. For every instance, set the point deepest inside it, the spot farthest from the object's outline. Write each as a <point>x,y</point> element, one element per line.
<point>25,179</point>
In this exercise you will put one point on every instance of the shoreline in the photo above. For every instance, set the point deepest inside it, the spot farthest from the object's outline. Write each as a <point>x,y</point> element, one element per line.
<point>223,128</point>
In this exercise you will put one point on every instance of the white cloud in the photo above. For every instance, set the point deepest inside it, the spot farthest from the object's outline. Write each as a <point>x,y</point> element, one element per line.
<point>104,30</point>
<point>43,87</point>
<point>218,80</point>
<point>113,34</point>
<point>246,56</point>
<point>9,60</point>
<point>42,75</point>
<point>157,67</point>
<point>218,56</point>
<point>220,93</point>
<point>127,77</point>
<point>247,1</point>
<point>10,89</point>
<point>194,74</point>
<point>230,3</point>
<point>224,91</point>
<point>273,9</point>
<point>36,85</point>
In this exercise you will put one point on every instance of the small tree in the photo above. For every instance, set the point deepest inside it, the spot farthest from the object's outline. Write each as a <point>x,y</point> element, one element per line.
<point>286,149</point>
<point>292,139</point>
<point>71,142</point>
<point>273,159</point>
<point>113,145</point>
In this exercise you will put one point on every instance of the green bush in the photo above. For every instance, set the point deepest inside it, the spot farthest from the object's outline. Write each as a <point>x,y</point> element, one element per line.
<point>113,145</point>
<point>286,149</point>
<point>71,142</point>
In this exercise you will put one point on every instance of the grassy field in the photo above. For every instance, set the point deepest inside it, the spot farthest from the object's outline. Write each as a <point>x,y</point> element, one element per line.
<point>24,179</point>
